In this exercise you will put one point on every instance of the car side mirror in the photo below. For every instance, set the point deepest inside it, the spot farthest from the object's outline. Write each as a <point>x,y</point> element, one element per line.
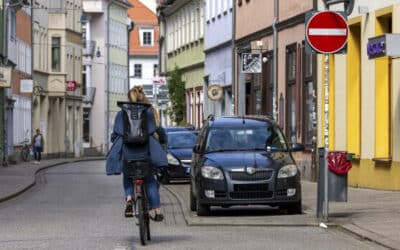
<point>297,147</point>
<point>196,148</point>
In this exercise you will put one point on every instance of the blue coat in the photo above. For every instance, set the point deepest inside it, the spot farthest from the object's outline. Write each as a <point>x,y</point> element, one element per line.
<point>120,151</point>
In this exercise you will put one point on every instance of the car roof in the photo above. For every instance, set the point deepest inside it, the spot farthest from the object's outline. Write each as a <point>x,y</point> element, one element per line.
<point>178,128</point>
<point>182,132</point>
<point>223,121</point>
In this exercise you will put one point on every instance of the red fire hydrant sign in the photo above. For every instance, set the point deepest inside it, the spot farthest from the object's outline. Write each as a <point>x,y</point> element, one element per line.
<point>327,32</point>
<point>71,85</point>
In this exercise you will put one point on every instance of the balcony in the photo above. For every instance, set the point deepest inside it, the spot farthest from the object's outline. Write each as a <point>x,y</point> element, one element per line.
<point>90,93</point>
<point>93,6</point>
<point>88,48</point>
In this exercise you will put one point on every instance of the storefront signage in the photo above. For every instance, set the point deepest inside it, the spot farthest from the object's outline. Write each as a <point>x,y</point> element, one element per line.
<point>251,62</point>
<point>384,45</point>
<point>26,86</point>
<point>71,85</point>
<point>5,76</point>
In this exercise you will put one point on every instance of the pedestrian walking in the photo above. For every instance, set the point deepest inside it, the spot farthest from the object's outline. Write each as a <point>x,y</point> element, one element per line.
<point>37,145</point>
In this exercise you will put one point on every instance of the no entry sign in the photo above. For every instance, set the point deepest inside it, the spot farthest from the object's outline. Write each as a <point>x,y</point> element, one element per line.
<point>327,32</point>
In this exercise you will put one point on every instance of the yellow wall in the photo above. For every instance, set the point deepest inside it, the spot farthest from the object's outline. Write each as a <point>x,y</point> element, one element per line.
<point>371,102</point>
<point>382,97</point>
<point>354,90</point>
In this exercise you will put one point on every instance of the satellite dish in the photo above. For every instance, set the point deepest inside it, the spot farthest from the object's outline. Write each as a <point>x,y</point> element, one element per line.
<point>215,92</point>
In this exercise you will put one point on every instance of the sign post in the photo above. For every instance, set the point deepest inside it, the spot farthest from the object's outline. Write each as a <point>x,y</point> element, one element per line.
<point>326,33</point>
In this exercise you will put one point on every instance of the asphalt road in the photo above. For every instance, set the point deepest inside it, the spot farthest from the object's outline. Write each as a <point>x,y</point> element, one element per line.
<point>76,206</point>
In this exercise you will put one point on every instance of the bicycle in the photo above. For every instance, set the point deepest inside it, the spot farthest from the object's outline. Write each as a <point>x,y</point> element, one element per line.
<point>25,151</point>
<point>138,170</point>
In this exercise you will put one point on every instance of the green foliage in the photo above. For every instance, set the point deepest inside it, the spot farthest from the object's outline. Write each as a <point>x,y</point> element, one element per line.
<point>176,90</point>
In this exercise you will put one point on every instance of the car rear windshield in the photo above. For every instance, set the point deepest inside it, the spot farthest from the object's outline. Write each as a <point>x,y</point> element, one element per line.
<point>245,138</point>
<point>181,140</point>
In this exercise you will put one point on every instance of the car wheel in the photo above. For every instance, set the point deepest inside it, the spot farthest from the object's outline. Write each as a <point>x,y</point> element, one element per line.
<point>193,205</point>
<point>202,209</point>
<point>295,208</point>
<point>164,179</point>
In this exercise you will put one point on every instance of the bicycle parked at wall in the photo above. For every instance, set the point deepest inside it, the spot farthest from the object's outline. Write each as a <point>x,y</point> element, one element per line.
<point>25,151</point>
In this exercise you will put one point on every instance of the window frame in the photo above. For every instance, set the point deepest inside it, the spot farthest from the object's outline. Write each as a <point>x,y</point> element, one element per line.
<point>291,92</point>
<point>143,39</point>
<point>306,78</point>
<point>53,51</point>
<point>139,75</point>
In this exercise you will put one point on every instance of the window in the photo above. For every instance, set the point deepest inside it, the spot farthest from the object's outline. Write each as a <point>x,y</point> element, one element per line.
<point>155,70</point>
<point>13,21</point>
<point>309,99</point>
<point>146,37</point>
<point>138,71</point>
<point>56,54</point>
<point>291,98</point>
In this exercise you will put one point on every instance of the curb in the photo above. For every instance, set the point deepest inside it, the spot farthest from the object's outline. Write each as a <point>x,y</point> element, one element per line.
<point>367,235</point>
<point>189,221</point>
<point>33,183</point>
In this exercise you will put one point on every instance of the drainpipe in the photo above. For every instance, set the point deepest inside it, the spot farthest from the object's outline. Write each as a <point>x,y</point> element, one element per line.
<point>274,71</point>
<point>107,85</point>
<point>131,27</point>
<point>233,56</point>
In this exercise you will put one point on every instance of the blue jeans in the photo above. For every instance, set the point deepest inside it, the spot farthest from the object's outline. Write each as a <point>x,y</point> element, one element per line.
<point>37,153</point>
<point>151,183</point>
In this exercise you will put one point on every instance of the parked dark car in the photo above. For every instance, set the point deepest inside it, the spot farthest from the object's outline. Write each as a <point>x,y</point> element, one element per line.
<point>244,161</point>
<point>178,128</point>
<point>179,153</point>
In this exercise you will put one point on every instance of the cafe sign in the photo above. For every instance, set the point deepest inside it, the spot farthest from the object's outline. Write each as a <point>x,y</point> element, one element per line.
<point>384,45</point>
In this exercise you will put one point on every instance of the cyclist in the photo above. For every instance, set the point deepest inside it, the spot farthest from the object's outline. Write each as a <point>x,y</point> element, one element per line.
<point>158,156</point>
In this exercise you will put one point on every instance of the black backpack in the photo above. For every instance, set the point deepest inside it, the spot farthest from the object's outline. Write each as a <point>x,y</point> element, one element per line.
<point>134,117</point>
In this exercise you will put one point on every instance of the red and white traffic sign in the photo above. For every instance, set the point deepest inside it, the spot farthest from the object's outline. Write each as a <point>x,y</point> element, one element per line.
<point>327,32</point>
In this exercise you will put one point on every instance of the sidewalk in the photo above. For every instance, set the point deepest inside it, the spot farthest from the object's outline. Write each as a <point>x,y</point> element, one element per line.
<point>16,179</point>
<point>369,214</point>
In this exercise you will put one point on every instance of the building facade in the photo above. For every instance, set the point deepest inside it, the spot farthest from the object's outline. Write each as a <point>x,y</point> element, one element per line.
<point>106,68</point>
<point>283,66</point>
<point>57,95</point>
<point>143,56</point>
<point>218,47</point>
<point>364,98</point>
<point>182,45</point>
<point>16,73</point>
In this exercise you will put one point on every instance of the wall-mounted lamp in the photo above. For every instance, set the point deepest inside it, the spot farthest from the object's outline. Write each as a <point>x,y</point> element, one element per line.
<point>265,59</point>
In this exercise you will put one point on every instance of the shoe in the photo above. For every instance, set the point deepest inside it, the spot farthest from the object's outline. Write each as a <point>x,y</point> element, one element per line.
<point>158,217</point>
<point>129,209</point>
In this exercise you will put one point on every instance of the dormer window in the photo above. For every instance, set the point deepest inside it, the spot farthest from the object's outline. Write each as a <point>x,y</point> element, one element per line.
<point>146,37</point>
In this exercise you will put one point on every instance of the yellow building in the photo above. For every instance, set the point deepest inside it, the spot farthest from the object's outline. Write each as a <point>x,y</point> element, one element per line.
<point>364,100</point>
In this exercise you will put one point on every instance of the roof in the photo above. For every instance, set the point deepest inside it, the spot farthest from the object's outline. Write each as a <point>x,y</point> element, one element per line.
<point>143,17</point>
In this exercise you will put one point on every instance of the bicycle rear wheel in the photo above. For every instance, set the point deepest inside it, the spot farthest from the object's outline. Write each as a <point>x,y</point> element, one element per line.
<point>26,154</point>
<point>142,221</point>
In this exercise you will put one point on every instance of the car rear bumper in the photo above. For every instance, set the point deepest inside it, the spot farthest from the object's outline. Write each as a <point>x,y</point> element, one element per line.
<point>177,172</point>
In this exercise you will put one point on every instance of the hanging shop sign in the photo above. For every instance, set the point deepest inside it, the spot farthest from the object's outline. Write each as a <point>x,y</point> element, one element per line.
<point>71,85</point>
<point>215,92</point>
<point>26,86</point>
<point>384,45</point>
<point>251,62</point>
<point>5,76</point>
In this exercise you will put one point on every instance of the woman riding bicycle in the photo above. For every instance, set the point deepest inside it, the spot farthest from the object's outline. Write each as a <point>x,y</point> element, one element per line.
<point>158,158</point>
